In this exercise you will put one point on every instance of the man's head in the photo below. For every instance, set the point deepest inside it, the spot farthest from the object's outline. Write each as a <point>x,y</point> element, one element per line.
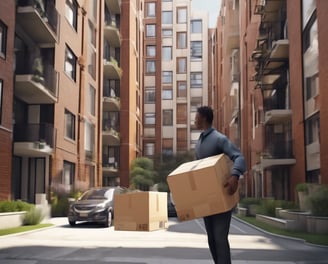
<point>204,117</point>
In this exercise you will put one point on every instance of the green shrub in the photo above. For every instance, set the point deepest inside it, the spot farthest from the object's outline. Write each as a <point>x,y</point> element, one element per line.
<point>33,216</point>
<point>59,206</point>
<point>245,202</point>
<point>302,187</point>
<point>268,206</point>
<point>319,202</point>
<point>14,206</point>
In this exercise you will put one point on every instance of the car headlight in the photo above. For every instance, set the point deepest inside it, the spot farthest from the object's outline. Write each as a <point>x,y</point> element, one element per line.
<point>100,206</point>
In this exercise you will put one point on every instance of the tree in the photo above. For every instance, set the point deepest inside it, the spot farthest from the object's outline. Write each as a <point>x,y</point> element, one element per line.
<point>142,173</point>
<point>165,164</point>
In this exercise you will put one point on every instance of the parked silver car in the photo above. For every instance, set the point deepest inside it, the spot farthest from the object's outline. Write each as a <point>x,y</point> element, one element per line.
<point>94,205</point>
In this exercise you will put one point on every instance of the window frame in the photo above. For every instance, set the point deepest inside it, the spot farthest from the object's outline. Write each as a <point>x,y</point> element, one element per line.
<point>168,18</point>
<point>71,170</point>
<point>148,27</point>
<point>185,18</point>
<point>167,120</point>
<point>71,61</point>
<point>192,26</point>
<point>69,134</point>
<point>169,77</point>
<point>167,50</point>
<point>196,53</point>
<point>153,13</point>
<point>182,43</point>
<point>150,51</point>
<point>1,96</point>
<point>150,95</point>
<point>3,39</point>
<point>72,5</point>
<point>150,117</point>
<point>179,69</point>
<point>181,93</point>
<point>196,83</point>
<point>152,65</point>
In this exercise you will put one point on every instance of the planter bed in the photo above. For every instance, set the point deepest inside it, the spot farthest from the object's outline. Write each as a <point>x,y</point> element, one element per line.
<point>11,219</point>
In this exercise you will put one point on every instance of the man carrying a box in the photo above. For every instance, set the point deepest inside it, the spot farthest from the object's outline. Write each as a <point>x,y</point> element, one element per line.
<point>210,143</point>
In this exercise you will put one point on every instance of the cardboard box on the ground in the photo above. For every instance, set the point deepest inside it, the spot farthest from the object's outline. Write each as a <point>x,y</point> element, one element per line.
<point>140,211</point>
<point>197,187</point>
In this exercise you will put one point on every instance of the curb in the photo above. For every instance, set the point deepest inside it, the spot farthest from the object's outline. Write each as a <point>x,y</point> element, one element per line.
<point>277,235</point>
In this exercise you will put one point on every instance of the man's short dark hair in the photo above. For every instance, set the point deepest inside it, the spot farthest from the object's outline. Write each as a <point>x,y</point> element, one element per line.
<point>207,112</point>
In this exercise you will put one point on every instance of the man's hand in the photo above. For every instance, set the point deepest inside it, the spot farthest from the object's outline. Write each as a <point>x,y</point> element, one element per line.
<point>231,184</point>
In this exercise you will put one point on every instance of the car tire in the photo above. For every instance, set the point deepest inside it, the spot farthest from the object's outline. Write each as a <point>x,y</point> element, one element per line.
<point>72,223</point>
<point>109,219</point>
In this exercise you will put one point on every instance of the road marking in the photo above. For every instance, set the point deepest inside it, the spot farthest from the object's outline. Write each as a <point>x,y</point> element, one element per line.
<point>239,229</point>
<point>200,225</point>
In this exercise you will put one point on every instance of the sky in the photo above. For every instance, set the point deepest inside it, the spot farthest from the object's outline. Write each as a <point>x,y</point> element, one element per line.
<point>212,6</point>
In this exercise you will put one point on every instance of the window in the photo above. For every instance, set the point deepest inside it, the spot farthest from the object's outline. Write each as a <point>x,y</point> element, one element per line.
<point>92,57</point>
<point>92,34</point>
<point>195,102</point>
<point>91,99</point>
<point>312,129</point>
<point>167,17</point>
<point>167,77</point>
<point>71,12</point>
<point>312,84</point>
<point>150,51</point>
<point>310,34</point>
<point>150,95</point>
<point>196,26</point>
<point>182,65</point>
<point>181,113</point>
<point>151,9</point>
<point>150,66</point>
<point>167,53</point>
<point>196,50</point>
<point>167,117</point>
<point>182,15</point>
<point>181,40</point>
<point>149,118</point>
<point>167,32</point>
<point>68,174</point>
<point>149,149</point>
<point>89,137</point>
<point>196,79</point>
<point>69,125</point>
<point>111,120</point>
<point>3,39</point>
<point>167,147</point>
<point>167,93</point>
<point>150,30</point>
<point>182,89</point>
<point>70,63</point>
<point>1,84</point>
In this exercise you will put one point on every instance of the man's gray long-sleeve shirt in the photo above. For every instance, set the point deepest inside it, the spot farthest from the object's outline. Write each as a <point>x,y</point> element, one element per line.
<point>211,142</point>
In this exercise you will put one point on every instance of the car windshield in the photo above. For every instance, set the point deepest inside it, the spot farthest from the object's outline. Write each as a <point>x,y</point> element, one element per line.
<point>98,194</point>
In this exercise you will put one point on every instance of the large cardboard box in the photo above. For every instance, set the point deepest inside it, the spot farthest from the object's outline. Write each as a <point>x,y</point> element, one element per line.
<point>140,211</point>
<point>197,187</point>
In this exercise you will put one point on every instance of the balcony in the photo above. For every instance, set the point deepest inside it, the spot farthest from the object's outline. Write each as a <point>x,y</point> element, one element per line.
<point>114,6</point>
<point>111,104</point>
<point>278,56</point>
<point>34,139</point>
<point>111,135</point>
<point>38,21</point>
<point>111,69</point>
<point>112,33</point>
<point>37,88</point>
<point>278,153</point>
<point>277,116</point>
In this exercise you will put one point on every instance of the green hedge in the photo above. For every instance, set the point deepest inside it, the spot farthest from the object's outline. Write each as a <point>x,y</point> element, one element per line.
<point>319,202</point>
<point>14,206</point>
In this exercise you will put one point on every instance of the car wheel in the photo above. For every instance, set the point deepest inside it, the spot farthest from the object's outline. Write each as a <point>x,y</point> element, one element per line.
<point>108,222</point>
<point>72,223</point>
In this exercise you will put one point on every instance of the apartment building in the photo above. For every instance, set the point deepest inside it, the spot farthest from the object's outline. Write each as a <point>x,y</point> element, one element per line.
<point>57,97</point>
<point>271,103</point>
<point>7,33</point>
<point>123,83</point>
<point>175,75</point>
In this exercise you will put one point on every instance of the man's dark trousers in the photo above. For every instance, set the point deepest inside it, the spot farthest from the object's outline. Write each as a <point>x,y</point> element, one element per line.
<point>217,228</point>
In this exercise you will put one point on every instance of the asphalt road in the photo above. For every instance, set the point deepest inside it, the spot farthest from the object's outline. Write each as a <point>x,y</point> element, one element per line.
<point>181,243</point>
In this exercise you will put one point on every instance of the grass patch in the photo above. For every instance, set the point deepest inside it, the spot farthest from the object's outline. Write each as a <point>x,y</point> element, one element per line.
<point>318,239</point>
<point>20,229</point>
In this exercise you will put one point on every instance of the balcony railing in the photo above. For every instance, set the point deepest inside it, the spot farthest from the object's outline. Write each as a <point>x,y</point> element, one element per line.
<point>37,25</point>
<point>38,79</point>
<point>278,149</point>
<point>111,162</point>
<point>43,133</point>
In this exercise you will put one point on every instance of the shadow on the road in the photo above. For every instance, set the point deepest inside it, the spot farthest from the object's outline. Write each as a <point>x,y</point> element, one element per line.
<point>108,255</point>
<point>191,227</point>
<point>84,225</point>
